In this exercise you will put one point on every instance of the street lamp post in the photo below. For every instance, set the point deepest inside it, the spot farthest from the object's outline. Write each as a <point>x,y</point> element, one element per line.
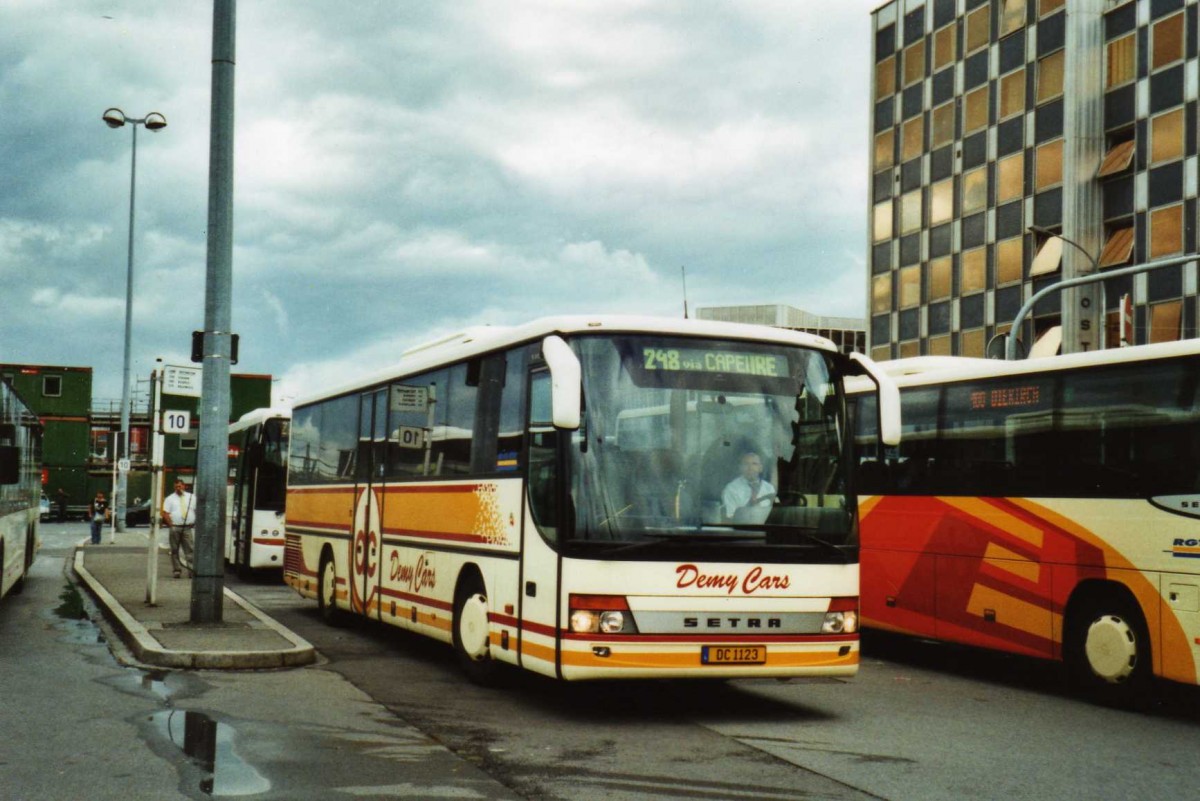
<point>1037,229</point>
<point>115,118</point>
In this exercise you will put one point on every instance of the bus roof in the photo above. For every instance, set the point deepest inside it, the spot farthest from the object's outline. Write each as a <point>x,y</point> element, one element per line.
<point>256,416</point>
<point>945,369</point>
<point>485,339</point>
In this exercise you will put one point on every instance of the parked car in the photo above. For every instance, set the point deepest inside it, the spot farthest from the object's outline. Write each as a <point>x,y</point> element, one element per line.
<point>44,508</point>
<point>138,513</point>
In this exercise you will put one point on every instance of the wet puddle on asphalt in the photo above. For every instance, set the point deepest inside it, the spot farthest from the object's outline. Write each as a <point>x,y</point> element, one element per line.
<point>213,765</point>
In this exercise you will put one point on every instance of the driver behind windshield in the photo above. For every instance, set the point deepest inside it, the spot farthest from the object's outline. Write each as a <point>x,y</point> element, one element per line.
<point>748,495</point>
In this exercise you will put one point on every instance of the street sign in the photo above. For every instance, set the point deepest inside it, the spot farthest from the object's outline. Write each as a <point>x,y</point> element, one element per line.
<point>410,437</point>
<point>122,465</point>
<point>176,422</point>
<point>178,380</point>
<point>407,398</point>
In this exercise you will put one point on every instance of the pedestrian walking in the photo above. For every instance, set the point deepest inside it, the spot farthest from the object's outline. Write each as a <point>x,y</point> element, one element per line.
<point>98,514</point>
<point>179,513</point>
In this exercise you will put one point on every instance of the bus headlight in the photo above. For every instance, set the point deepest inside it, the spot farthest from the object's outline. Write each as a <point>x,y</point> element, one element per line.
<point>842,617</point>
<point>603,614</point>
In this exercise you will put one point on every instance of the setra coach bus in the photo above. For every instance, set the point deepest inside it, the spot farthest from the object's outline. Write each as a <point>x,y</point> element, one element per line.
<point>554,496</point>
<point>20,488</point>
<point>1047,507</point>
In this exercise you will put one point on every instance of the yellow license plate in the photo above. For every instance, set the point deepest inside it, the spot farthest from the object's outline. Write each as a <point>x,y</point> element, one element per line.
<point>733,654</point>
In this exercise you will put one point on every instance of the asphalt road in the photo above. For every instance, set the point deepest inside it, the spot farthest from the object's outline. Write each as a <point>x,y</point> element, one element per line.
<point>921,722</point>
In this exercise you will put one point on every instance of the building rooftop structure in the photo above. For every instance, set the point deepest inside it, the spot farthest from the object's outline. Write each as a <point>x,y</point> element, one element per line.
<point>848,333</point>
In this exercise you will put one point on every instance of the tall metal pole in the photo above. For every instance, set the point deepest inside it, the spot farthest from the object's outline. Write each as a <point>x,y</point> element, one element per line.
<point>212,463</point>
<point>122,445</point>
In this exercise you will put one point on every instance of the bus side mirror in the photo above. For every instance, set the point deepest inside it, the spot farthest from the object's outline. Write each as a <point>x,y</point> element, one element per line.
<point>566,382</point>
<point>10,464</point>
<point>889,399</point>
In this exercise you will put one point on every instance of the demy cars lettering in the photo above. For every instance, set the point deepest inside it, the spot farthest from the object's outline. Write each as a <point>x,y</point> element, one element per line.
<point>755,580</point>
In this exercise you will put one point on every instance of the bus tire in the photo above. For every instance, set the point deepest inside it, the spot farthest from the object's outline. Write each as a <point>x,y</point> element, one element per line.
<point>327,591</point>
<point>471,632</point>
<point>1107,648</point>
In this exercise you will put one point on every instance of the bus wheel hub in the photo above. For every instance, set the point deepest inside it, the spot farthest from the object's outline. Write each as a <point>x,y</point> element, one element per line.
<point>1111,649</point>
<point>473,627</point>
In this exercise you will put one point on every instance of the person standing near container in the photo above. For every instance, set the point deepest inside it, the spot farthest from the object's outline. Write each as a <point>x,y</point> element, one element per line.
<point>98,514</point>
<point>179,514</point>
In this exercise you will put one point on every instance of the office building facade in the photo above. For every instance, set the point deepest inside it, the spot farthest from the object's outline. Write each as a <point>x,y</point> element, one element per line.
<point>1018,143</point>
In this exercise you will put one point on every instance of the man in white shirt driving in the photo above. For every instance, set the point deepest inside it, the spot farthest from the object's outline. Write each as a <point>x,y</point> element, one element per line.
<point>748,491</point>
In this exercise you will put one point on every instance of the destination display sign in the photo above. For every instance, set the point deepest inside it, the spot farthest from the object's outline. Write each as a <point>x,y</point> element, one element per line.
<point>706,360</point>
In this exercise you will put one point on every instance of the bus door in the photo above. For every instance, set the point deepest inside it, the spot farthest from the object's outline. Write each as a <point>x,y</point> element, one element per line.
<point>368,513</point>
<point>243,496</point>
<point>540,561</point>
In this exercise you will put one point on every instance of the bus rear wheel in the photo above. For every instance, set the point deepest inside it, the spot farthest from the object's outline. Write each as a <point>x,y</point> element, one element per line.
<point>327,591</point>
<point>472,636</point>
<point>1108,650</point>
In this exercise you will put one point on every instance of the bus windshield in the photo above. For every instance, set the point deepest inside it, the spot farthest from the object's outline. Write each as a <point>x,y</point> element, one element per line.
<point>736,447</point>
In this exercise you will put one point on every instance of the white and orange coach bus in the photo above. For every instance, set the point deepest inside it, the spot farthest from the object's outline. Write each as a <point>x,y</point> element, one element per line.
<point>551,496</point>
<point>1048,507</point>
<point>258,447</point>
<point>20,488</point>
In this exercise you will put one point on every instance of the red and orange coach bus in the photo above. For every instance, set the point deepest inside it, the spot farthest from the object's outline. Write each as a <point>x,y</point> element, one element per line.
<point>1047,507</point>
<point>552,496</point>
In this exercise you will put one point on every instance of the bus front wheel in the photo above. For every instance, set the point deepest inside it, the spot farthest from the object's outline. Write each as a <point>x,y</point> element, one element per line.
<point>327,591</point>
<point>1108,649</point>
<point>472,637</point>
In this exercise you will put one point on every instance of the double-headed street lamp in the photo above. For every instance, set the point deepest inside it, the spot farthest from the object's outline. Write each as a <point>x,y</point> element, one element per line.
<point>115,118</point>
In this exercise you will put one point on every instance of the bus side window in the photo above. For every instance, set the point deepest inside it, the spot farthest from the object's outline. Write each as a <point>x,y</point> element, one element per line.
<point>543,438</point>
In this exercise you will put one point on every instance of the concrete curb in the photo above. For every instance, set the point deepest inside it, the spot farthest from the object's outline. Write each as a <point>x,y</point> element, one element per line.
<point>147,649</point>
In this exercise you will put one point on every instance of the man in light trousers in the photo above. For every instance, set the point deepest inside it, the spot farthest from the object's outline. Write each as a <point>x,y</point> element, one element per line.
<point>179,514</point>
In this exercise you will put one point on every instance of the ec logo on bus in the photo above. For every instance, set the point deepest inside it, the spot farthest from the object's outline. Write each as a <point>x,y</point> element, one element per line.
<point>364,553</point>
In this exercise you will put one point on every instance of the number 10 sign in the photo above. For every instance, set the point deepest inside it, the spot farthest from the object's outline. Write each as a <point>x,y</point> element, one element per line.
<point>176,422</point>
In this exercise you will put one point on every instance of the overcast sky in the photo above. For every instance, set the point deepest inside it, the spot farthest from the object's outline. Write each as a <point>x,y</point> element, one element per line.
<point>406,169</point>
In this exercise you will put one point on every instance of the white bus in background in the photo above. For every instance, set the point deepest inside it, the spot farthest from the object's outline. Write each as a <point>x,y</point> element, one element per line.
<point>258,448</point>
<point>20,488</point>
<point>548,496</point>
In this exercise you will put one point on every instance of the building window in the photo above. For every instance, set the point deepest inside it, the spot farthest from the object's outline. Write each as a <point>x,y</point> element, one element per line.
<point>1167,42</point>
<point>940,345</point>
<point>885,149</point>
<point>914,62</point>
<point>881,353</point>
<point>883,221</point>
<point>974,269</point>
<point>941,202</point>
<point>1164,321</point>
<point>975,109</point>
<point>1012,94</point>
<point>1048,165</point>
<point>939,278</point>
<point>187,443</point>
<point>1166,231</point>
<point>1010,177</point>
<point>944,47</point>
<point>1012,17</point>
<point>974,190</point>
<point>1046,6</point>
<point>881,294</point>
<point>910,349</point>
<point>52,386</point>
<point>971,343</point>
<point>979,28</point>
<point>1166,136</point>
<point>910,287</point>
<point>1118,158</point>
<point>1048,258</point>
<point>1050,77</point>
<point>1118,247</point>
<point>885,78</point>
<point>1009,255</point>
<point>912,136</point>
<point>1122,66</point>
<point>942,124</point>
<point>910,212</point>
